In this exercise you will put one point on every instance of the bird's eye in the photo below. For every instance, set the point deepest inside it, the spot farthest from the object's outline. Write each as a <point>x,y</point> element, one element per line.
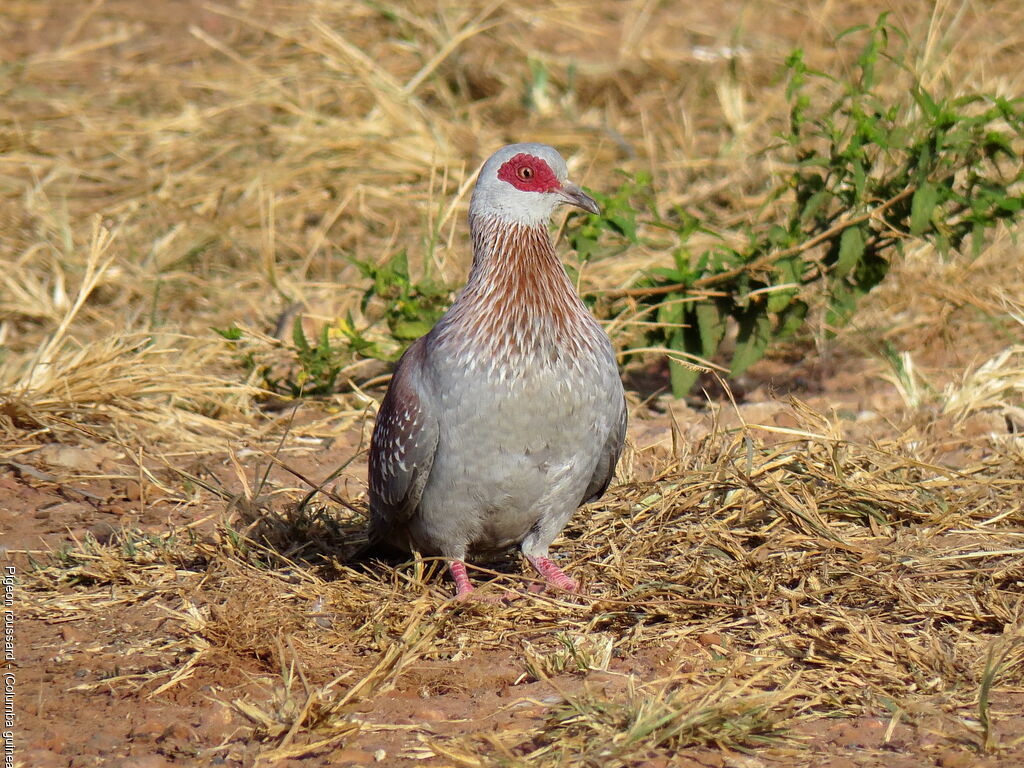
<point>525,173</point>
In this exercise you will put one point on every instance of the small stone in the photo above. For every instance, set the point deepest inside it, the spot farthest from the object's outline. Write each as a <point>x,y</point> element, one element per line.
<point>145,761</point>
<point>69,511</point>
<point>712,759</point>
<point>42,758</point>
<point>957,758</point>
<point>102,532</point>
<point>846,735</point>
<point>53,742</point>
<point>743,761</point>
<point>530,712</point>
<point>351,757</point>
<point>429,714</point>
<point>72,634</point>
<point>153,515</point>
<point>132,490</point>
<point>149,729</point>
<point>708,639</point>
<point>786,420</point>
<point>215,716</point>
<point>175,731</point>
<point>69,457</point>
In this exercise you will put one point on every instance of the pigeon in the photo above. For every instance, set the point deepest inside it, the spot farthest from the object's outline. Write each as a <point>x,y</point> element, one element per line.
<point>510,413</point>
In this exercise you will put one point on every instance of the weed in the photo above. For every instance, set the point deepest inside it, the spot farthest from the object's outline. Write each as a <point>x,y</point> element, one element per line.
<point>590,235</point>
<point>995,664</point>
<point>410,308</point>
<point>313,368</point>
<point>673,718</point>
<point>866,177</point>
<point>580,653</point>
<point>319,364</point>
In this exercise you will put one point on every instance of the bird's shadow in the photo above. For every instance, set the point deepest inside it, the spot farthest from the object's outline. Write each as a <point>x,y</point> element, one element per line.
<point>328,540</point>
<point>321,537</point>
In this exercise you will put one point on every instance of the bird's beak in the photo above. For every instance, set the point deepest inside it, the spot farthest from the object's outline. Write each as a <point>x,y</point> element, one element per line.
<point>573,195</point>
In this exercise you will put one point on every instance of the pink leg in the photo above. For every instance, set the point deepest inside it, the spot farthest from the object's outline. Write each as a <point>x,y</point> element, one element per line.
<point>553,574</point>
<point>463,586</point>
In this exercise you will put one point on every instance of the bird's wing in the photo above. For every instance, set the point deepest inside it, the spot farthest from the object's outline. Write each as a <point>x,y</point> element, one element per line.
<point>605,469</point>
<point>403,446</point>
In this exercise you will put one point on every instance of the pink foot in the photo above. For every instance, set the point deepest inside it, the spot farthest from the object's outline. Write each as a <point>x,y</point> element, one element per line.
<point>463,586</point>
<point>553,574</point>
<point>464,590</point>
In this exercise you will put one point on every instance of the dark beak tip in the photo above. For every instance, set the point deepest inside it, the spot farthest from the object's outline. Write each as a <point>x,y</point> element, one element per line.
<point>576,196</point>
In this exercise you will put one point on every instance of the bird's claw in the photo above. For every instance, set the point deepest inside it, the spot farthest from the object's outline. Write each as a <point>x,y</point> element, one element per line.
<point>553,574</point>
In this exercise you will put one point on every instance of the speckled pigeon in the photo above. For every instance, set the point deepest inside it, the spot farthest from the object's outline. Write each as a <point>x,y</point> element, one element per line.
<point>509,414</point>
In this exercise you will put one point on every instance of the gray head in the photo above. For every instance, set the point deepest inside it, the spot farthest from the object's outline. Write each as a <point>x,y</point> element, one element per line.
<point>524,183</point>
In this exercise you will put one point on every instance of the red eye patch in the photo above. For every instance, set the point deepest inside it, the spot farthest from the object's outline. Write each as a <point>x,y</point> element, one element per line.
<point>529,174</point>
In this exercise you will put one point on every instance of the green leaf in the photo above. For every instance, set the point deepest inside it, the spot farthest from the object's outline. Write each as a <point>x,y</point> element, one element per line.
<point>921,207</point>
<point>409,330</point>
<point>851,249</point>
<point>231,333</point>
<point>779,236</point>
<point>755,332</point>
<point>671,310</point>
<point>624,224</point>
<point>399,265</point>
<point>814,205</point>
<point>791,319</point>
<point>1009,204</point>
<point>841,305</point>
<point>710,326</point>
<point>996,143</point>
<point>671,275</point>
<point>926,102</point>
<point>851,30</point>
<point>859,180</point>
<point>323,347</point>
<point>299,336</point>
<point>789,271</point>
<point>681,377</point>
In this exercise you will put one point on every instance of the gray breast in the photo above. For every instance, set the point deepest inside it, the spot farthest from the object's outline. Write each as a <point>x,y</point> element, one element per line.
<point>514,446</point>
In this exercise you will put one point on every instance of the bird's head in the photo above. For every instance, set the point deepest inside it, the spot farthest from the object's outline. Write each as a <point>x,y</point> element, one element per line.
<point>524,183</point>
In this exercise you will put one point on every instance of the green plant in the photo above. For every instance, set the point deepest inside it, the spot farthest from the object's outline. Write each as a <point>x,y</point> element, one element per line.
<point>618,216</point>
<point>410,308</point>
<point>319,363</point>
<point>316,365</point>
<point>866,177</point>
<point>580,653</point>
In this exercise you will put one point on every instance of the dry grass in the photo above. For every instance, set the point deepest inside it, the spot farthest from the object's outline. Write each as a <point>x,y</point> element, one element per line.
<point>774,585</point>
<point>185,166</point>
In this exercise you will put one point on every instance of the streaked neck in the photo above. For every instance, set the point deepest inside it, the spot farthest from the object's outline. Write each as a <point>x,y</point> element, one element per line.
<point>518,308</point>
